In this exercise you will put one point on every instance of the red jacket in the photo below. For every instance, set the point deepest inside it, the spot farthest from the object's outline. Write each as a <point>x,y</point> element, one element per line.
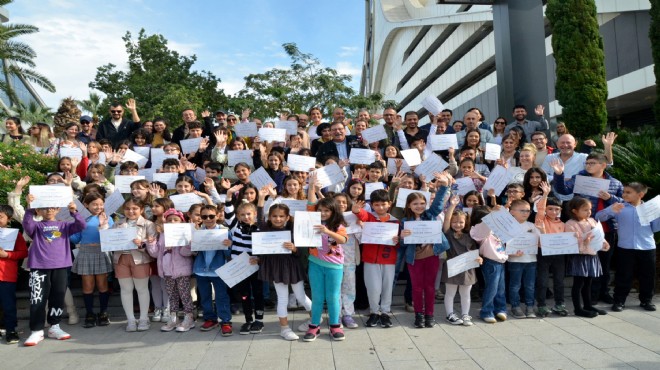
<point>9,265</point>
<point>377,253</point>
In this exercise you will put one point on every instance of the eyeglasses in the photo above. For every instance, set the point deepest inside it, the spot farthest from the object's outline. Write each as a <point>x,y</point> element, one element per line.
<point>207,217</point>
<point>513,191</point>
<point>116,111</point>
<point>592,163</point>
<point>500,123</point>
<point>232,119</point>
<point>170,150</point>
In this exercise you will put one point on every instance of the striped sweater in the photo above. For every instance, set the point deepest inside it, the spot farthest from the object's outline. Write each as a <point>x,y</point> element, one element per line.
<point>240,233</point>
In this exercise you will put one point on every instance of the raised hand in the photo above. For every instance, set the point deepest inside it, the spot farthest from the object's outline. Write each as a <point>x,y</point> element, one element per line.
<point>83,147</point>
<point>154,190</point>
<point>557,165</point>
<point>609,138</point>
<point>206,113</point>
<point>225,184</point>
<point>617,207</point>
<point>20,184</point>
<point>72,207</point>
<point>539,110</point>
<point>245,114</point>
<point>545,187</point>
<point>103,219</point>
<point>203,144</point>
<point>454,200</point>
<point>131,104</point>
<point>68,178</point>
<point>357,206</point>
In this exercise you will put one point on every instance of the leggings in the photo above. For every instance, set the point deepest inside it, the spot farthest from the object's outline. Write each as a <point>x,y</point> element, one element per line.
<point>581,287</point>
<point>47,286</point>
<point>247,290</point>
<point>326,286</point>
<point>422,273</point>
<point>142,287</point>
<point>179,289</point>
<point>348,290</point>
<point>464,291</point>
<point>282,291</point>
<point>159,293</point>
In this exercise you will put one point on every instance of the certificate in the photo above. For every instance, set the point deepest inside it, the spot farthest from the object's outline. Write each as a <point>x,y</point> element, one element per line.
<point>596,243</point>
<point>493,152</point>
<point>237,270</point>
<point>113,202</point>
<point>362,156</point>
<point>352,221</point>
<point>423,232</point>
<point>209,240</point>
<point>261,178</point>
<point>158,156</point>
<point>235,157</point>
<point>177,235</point>
<point>134,157</point>
<point>295,205</point>
<point>270,242</point>
<point>465,185</point>
<point>190,145</point>
<point>272,134</point>
<point>148,173</point>
<point>463,262</point>
<point>434,163</point>
<point>498,180</point>
<point>304,234</point>
<point>8,238</point>
<point>65,215</point>
<point>373,134</point>
<point>559,243</point>
<point>412,157</point>
<point>246,129</point>
<point>300,162</point>
<point>391,166</point>
<point>142,150</point>
<point>369,188</point>
<point>503,225</point>
<point>379,232</point>
<point>291,127</point>
<point>167,178</point>
<point>51,196</point>
<point>329,175</point>
<point>649,211</point>
<point>443,142</point>
<point>528,242</point>
<point>182,202</point>
<point>587,185</point>
<point>123,183</point>
<point>403,195</point>
<point>200,174</point>
<point>120,239</point>
<point>70,152</point>
<point>433,105</point>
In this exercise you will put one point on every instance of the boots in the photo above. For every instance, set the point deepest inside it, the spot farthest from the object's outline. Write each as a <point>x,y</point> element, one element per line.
<point>419,320</point>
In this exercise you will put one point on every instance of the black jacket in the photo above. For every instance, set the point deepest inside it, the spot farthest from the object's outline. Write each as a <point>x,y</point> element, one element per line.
<point>330,148</point>
<point>108,131</point>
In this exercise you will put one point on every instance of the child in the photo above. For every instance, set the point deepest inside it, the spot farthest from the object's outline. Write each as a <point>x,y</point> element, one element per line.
<point>351,261</point>
<point>467,169</point>
<point>493,305</point>
<point>379,260</point>
<point>92,263</point>
<point>585,266</point>
<point>423,261</point>
<point>456,227</point>
<point>9,276</point>
<point>636,248</point>
<point>96,176</point>
<point>206,262</point>
<point>548,222</point>
<point>142,190</point>
<point>132,267</point>
<point>326,266</point>
<point>175,267</point>
<point>49,260</point>
<point>158,289</point>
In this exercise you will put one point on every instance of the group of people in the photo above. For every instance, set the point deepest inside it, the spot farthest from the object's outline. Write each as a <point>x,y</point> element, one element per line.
<point>349,265</point>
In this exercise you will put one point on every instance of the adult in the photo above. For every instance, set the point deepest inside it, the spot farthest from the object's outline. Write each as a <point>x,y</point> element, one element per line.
<point>220,118</point>
<point>14,131</point>
<point>41,137</point>
<point>559,131</point>
<point>68,139</point>
<point>87,132</point>
<point>149,126</point>
<point>303,120</point>
<point>316,118</point>
<point>498,129</point>
<point>482,119</point>
<point>540,141</point>
<point>471,121</point>
<point>161,135</point>
<point>323,130</point>
<point>529,127</point>
<point>188,115</point>
<point>339,115</point>
<point>446,116</point>
<point>390,116</point>
<point>412,131</point>
<point>341,144</point>
<point>116,128</point>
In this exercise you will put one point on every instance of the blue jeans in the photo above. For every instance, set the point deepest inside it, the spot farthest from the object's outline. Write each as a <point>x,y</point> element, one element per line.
<point>522,273</point>
<point>206,298</point>
<point>494,300</point>
<point>8,301</point>
<point>326,287</point>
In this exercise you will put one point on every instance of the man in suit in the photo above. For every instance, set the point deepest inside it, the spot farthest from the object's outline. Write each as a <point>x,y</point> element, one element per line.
<point>341,144</point>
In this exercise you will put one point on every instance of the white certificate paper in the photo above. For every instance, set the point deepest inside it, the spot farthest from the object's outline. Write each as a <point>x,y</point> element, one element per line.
<point>465,185</point>
<point>237,270</point>
<point>261,178</point>
<point>182,202</point>
<point>123,182</point>
<point>649,211</point>
<point>70,152</point>
<point>391,166</point>
<point>528,242</point>
<point>291,127</point>
<point>329,175</point>
<point>272,134</point>
<point>235,157</point>
<point>246,129</point>
<point>270,242</point>
<point>134,157</point>
<point>295,205</point>
<point>362,156</point>
<point>142,150</point>
<point>167,178</point>
<point>113,202</point>
<point>373,134</point>
<point>493,152</point>
<point>120,239</point>
<point>158,156</point>
<point>559,243</point>
<point>209,240</point>
<point>370,187</point>
<point>503,225</point>
<point>423,232</point>
<point>587,185</point>
<point>462,262</point>
<point>403,195</point>
<point>190,145</point>
<point>304,234</point>
<point>499,178</point>
<point>379,232</point>
<point>177,235</point>
<point>443,142</point>
<point>596,243</point>
<point>352,225</point>
<point>434,163</point>
<point>8,238</point>
<point>412,157</point>
<point>432,104</point>
<point>51,196</point>
<point>300,162</point>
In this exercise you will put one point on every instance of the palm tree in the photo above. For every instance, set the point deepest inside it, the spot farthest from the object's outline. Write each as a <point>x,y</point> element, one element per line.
<point>17,58</point>
<point>91,105</point>
<point>33,113</point>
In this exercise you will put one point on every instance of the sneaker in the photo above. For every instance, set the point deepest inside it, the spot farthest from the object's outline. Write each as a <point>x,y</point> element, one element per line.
<point>560,309</point>
<point>187,324</point>
<point>337,334</point>
<point>158,314</point>
<point>490,319</point>
<point>453,319</point>
<point>74,319</point>
<point>256,327</point>
<point>209,325</point>
<point>648,306</point>
<point>11,337</point>
<point>529,312</point>
<point>410,308</point>
<point>34,338</point>
<point>289,335</point>
<point>90,321</point>
<point>501,316</point>
<point>312,333</point>
<point>245,328</point>
<point>166,316</point>
<point>56,332</point>
<point>305,325</point>
<point>171,325</point>
<point>385,321</point>
<point>143,325</point>
<point>226,330</point>
<point>467,320</point>
<point>544,311</point>
<point>102,319</point>
<point>518,313</point>
<point>348,322</point>
<point>419,320</point>
<point>131,326</point>
<point>374,320</point>
<point>429,321</point>
<point>618,307</point>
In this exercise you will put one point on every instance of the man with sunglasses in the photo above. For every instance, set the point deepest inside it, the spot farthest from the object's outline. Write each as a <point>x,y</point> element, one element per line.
<point>116,128</point>
<point>87,132</point>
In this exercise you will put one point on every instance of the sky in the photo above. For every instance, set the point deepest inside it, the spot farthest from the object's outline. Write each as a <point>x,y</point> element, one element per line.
<point>230,38</point>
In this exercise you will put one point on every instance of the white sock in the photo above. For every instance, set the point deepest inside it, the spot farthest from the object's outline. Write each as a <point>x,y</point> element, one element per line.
<point>126,286</point>
<point>142,287</point>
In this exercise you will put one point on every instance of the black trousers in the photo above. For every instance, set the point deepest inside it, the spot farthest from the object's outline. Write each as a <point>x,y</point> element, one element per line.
<point>248,291</point>
<point>629,263</point>
<point>544,265</point>
<point>47,286</point>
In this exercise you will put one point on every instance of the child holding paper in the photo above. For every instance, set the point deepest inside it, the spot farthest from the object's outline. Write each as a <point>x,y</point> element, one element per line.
<point>636,248</point>
<point>158,289</point>
<point>9,276</point>
<point>351,261</point>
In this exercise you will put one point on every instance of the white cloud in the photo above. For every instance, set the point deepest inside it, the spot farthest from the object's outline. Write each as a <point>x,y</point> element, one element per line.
<point>232,86</point>
<point>186,49</point>
<point>348,68</point>
<point>347,51</point>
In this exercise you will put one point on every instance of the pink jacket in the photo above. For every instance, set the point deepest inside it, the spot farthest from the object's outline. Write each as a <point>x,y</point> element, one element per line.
<point>489,246</point>
<point>172,262</point>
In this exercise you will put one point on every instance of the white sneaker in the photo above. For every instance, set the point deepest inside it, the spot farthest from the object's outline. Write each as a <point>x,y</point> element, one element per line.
<point>131,326</point>
<point>56,333</point>
<point>158,314</point>
<point>288,334</point>
<point>166,316</point>
<point>171,325</point>
<point>143,325</point>
<point>187,324</point>
<point>293,303</point>
<point>34,338</point>
<point>305,325</point>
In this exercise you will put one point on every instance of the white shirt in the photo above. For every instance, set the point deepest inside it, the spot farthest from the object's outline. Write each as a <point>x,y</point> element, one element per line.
<point>572,166</point>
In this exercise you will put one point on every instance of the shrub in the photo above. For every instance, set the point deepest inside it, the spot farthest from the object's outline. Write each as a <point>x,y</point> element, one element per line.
<point>22,160</point>
<point>636,156</point>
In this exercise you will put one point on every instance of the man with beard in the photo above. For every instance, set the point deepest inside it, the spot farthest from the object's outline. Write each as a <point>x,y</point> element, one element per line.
<point>529,127</point>
<point>116,128</point>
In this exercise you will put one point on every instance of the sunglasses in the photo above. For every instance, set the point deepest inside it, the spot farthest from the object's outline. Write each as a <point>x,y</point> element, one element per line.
<point>116,111</point>
<point>232,119</point>
<point>500,123</point>
<point>207,217</point>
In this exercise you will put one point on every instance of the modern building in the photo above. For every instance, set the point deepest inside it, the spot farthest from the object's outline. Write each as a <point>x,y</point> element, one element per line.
<point>447,48</point>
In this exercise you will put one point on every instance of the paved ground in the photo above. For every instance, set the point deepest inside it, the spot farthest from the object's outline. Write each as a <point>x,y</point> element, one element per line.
<point>630,339</point>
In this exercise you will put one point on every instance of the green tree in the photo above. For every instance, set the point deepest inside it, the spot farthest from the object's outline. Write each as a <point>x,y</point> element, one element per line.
<point>18,59</point>
<point>91,105</point>
<point>154,73</point>
<point>34,112</point>
<point>654,35</point>
<point>581,85</point>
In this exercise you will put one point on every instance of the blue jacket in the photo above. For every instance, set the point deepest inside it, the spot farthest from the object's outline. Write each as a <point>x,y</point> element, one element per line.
<point>408,250</point>
<point>207,268</point>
